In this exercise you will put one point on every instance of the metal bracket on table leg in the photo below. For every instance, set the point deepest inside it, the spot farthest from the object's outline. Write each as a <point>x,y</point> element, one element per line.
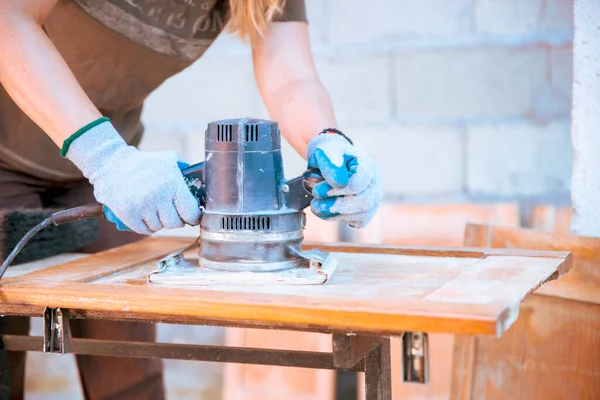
<point>415,357</point>
<point>57,333</point>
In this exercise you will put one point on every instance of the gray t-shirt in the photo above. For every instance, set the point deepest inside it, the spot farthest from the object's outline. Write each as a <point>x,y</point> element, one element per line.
<point>119,51</point>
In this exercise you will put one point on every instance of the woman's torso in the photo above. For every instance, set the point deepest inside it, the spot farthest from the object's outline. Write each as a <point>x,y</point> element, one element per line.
<point>119,51</point>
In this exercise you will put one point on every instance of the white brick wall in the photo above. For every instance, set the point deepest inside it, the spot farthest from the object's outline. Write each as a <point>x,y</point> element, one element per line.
<point>419,161</point>
<point>531,17</point>
<point>518,159</point>
<point>361,88</point>
<point>561,70</point>
<point>466,83</point>
<point>374,20</point>
<point>557,17</point>
<point>457,98</point>
<point>508,17</point>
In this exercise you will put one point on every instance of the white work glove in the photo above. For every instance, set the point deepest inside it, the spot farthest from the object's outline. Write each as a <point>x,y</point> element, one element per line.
<point>352,190</point>
<point>144,191</point>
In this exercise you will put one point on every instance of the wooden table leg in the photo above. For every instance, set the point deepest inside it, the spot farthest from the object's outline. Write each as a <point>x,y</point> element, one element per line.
<point>378,372</point>
<point>4,365</point>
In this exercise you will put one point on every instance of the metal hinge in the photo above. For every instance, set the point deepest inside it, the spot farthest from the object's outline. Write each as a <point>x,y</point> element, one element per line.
<point>415,357</point>
<point>57,333</point>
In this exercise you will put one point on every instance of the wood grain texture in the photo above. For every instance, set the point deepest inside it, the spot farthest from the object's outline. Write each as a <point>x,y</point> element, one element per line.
<point>26,268</point>
<point>581,283</point>
<point>190,352</point>
<point>430,225</point>
<point>433,251</point>
<point>369,292</point>
<point>552,350</point>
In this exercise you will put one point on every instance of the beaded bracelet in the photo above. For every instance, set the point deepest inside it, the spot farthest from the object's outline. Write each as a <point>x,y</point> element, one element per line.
<point>333,130</point>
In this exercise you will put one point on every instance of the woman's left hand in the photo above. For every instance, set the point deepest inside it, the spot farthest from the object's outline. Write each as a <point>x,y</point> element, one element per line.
<point>351,191</point>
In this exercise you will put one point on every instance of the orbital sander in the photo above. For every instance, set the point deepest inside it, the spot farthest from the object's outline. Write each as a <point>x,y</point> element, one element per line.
<point>251,229</point>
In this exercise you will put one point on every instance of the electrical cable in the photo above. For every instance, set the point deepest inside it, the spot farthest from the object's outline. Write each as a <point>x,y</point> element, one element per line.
<point>57,218</point>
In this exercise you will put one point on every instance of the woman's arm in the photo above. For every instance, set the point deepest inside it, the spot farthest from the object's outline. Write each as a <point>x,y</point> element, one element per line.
<point>41,83</point>
<point>294,96</point>
<point>289,84</point>
<point>35,75</point>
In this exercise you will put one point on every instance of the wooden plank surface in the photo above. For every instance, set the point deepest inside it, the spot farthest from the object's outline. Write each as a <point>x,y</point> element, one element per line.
<point>26,268</point>
<point>369,292</point>
<point>581,283</point>
<point>552,350</point>
<point>441,224</point>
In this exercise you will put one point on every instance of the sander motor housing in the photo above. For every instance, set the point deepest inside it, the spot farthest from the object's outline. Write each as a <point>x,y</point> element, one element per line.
<point>253,218</point>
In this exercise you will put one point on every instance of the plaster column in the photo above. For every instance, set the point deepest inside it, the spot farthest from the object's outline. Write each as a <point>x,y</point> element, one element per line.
<point>585,125</point>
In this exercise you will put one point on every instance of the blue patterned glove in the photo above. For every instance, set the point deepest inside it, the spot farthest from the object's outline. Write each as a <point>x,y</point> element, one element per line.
<point>352,190</point>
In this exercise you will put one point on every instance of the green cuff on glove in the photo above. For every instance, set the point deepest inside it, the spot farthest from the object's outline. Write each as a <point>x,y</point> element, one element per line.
<point>71,139</point>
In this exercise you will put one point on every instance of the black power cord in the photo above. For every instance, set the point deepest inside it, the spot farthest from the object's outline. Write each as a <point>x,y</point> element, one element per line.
<point>58,218</point>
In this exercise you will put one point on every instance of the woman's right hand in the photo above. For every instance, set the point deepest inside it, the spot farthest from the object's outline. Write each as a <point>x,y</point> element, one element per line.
<point>145,191</point>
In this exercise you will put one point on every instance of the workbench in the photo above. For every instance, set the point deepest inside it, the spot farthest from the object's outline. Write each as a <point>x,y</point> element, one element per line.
<point>377,292</point>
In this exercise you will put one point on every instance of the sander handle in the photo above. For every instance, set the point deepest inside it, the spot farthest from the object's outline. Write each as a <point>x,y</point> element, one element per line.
<point>194,176</point>
<point>77,213</point>
<point>311,177</point>
<point>298,192</point>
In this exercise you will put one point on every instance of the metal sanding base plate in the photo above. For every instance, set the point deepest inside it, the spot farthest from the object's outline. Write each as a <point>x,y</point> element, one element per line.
<point>176,270</point>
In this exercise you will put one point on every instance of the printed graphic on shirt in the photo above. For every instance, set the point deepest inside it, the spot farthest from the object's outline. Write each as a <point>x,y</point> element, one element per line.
<point>184,28</point>
<point>202,19</point>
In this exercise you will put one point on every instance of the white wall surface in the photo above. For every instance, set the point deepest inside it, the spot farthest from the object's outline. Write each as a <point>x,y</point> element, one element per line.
<point>457,99</point>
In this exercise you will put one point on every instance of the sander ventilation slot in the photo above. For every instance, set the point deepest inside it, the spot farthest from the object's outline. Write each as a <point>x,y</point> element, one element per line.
<point>224,133</point>
<point>246,223</point>
<point>251,133</point>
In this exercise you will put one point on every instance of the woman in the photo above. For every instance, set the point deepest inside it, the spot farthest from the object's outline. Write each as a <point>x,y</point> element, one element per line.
<point>76,74</point>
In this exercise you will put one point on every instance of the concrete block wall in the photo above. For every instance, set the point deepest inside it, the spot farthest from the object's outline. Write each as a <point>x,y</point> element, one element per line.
<point>465,99</point>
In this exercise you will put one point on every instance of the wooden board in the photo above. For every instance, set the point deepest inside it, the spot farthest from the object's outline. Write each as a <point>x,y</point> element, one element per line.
<point>22,269</point>
<point>430,225</point>
<point>552,351</point>
<point>377,289</point>
<point>583,281</point>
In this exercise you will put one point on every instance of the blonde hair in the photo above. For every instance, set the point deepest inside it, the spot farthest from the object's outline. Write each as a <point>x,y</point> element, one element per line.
<point>249,18</point>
